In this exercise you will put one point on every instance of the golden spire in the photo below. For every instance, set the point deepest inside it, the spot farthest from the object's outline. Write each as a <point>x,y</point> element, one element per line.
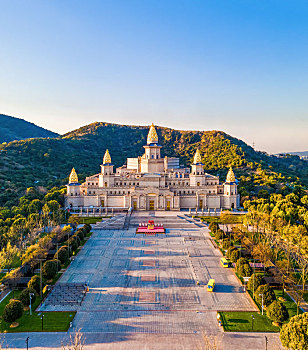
<point>152,135</point>
<point>107,158</point>
<point>230,176</point>
<point>197,157</point>
<point>73,179</point>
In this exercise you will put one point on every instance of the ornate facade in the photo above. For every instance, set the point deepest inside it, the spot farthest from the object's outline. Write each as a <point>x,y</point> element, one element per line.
<point>151,182</point>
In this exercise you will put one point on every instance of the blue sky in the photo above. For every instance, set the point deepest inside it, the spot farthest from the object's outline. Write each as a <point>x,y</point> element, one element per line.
<point>236,66</point>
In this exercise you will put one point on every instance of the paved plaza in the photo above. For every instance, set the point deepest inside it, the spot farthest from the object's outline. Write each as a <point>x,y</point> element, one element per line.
<point>149,292</point>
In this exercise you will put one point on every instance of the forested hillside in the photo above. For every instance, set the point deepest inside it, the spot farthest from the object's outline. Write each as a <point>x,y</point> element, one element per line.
<point>12,128</point>
<point>48,162</point>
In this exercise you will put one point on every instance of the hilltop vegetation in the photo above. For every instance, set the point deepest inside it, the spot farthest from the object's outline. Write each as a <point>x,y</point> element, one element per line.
<point>12,128</point>
<point>47,162</point>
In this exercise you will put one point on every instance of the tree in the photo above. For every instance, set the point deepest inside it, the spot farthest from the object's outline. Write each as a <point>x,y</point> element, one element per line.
<point>12,311</point>
<point>268,295</point>
<point>62,254</point>
<point>8,255</point>
<point>74,219</point>
<point>76,343</point>
<point>219,234</point>
<point>87,228</point>
<point>226,243</point>
<point>277,312</point>
<point>35,206</point>
<point>243,268</point>
<point>294,335</point>
<point>80,233</point>
<point>25,296</point>
<point>34,283</point>
<point>50,268</point>
<point>233,254</point>
<point>255,281</point>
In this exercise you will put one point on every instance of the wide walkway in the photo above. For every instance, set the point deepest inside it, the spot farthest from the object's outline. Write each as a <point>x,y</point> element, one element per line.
<point>148,292</point>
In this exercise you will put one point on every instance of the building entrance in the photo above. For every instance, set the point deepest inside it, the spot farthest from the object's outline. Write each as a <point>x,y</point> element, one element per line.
<point>168,205</point>
<point>135,205</point>
<point>151,202</point>
<point>200,204</point>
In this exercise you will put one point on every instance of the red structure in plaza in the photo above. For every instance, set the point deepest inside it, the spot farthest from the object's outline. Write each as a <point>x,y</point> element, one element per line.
<point>150,228</point>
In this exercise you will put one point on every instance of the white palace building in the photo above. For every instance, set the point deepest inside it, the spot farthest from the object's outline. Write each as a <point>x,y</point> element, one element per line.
<point>151,182</point>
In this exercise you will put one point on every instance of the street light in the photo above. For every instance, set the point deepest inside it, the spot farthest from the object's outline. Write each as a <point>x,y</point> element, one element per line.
<point>30,296</point>
<point>252,318</point>
<point>42,322</point>
<point>266,342</point>
<point>27,342</point>
<point>261,295</point>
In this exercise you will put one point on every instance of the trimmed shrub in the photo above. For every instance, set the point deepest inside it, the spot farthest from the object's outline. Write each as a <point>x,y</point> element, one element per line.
<point>80,233</point>
<point>268,294</point>
<point>277,312</point>
<point>226,243</point>
<point>294,335</point>
<point>218,235</point>
<point>234,255</point>
<point>62,254</point>
<point>73,245</point>
<point>213,226</point>
<point>49,269</point>
<point>243,268</point>
<point>12,311</point>
<point>87,228</point>
<point>34,283</point>
<point>255,281</point>
<point>25,296</point>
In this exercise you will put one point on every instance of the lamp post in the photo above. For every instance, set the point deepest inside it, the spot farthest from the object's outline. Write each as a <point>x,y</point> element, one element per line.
<point>266,342</point>
<point>252,318</point>
<point>30,296</point>
<point>42,322</point>
<point>27,342</point>
<point>261,295</point>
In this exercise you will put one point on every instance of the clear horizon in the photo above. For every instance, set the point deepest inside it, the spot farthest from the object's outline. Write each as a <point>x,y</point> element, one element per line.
<point>239,66</point>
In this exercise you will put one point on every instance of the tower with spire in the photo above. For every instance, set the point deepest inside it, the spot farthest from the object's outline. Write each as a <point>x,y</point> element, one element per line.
<point>230,187</point>
<point>73,186</point>
<point>197,170</point>
<point>151,162</point>
<point>106,177</point>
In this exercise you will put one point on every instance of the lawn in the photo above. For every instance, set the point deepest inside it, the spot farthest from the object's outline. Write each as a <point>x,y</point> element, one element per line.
<point>92,220</point>
<point>242,322</point>
<point>289,303</point>
<point>53,321</point>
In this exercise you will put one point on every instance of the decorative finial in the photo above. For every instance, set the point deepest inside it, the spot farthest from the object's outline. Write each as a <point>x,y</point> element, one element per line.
<point>197,157</point>
<point>73,179</point>
<point>107,158</point>
<point>230,176</point>
<point>152,135</point>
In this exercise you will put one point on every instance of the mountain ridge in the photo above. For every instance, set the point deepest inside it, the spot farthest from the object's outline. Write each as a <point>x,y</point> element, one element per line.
<point>12,128</point>
<point>48,161</point>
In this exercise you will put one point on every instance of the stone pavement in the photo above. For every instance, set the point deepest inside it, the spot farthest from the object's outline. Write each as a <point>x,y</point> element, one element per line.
<point>149,292</point>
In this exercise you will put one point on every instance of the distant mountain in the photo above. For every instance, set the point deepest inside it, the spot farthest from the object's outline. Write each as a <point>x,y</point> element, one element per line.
<point>48,161</point>
<point>12,128</point>
<point>300,154</point>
